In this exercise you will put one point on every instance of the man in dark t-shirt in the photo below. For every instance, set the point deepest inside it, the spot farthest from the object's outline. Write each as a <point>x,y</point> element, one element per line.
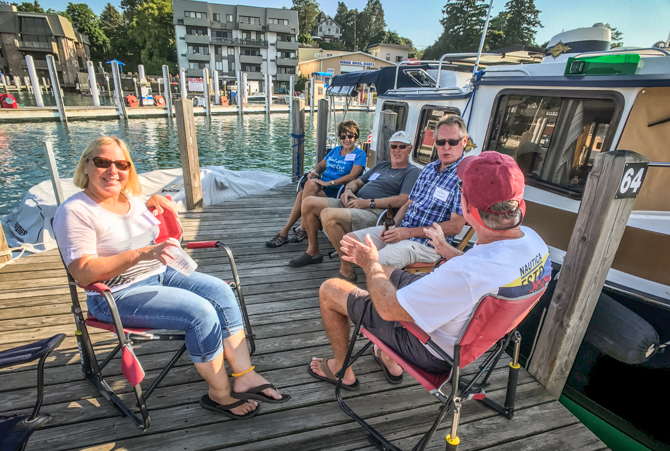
<point>363,200</point>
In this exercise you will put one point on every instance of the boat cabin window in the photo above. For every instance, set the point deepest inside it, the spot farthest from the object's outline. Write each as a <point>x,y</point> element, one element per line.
<point>553,139</point>
<point>424,149</point>
<point>401,110</point>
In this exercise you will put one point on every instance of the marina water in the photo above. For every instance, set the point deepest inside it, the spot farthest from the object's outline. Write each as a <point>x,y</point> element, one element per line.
<point>252,141</point>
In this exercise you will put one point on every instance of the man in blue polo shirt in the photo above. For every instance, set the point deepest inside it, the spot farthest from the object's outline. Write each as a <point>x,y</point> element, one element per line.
<point>434,199</point>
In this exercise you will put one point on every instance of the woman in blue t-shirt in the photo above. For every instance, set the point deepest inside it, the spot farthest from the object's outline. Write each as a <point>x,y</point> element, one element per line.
<point>342,165</point>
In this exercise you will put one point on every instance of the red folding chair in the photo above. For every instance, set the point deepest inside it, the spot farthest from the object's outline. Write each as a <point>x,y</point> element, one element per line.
<point>130,365</point>
<point>493,322</point>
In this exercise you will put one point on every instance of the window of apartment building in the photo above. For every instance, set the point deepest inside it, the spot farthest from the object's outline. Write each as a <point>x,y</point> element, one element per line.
<point>286,70</point>
<point>398,59</point>
<point>222,34</point>
<point>278,21</point>
<point>198,65</point>
<point>216,17</point>
<point>35,38</point>
<point>250,68</point>
<point>250,20</point>
<point>196,31</point>
<point>285,38</point>
<point>199,49</point>
<point>218,50</point>
<point>218,65</point>
<point>246,35</point>
<point>388,57</point>
<point>250,52</point>
<point>232,66</point>
<point>195,14</point>
<point>231,50</point>
<point>34,25</point>
<point>290,55</point>
<point>229,17</point>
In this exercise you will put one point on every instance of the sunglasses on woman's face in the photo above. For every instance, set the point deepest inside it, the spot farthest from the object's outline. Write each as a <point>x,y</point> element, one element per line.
<point>452,142</point>
<point>104,163</point>
<point>343,137</point>
<point>401,146</point>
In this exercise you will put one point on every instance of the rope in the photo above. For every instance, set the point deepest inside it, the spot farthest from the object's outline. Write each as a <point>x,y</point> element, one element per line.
<point>298,137</point>
<point>23,248</point>
<point>478,76</point>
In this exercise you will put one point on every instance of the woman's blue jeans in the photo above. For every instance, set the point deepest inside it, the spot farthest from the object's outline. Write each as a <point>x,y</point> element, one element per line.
<point>203,306</point>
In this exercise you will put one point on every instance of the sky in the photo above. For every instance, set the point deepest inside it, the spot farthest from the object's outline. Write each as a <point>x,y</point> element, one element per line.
<point>642,22</point>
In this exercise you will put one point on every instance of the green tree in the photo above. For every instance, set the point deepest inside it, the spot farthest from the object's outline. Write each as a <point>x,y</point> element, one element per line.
<point>308,10</point>
<point>463,24</point>
<point>85,21</point>
<point>346,19</point>
<point>522,21</point>
<point>153,32</point>
<point>495,35</point>
<point>28,7</point>
<point>370,22</point>
<point>332,46</point>
<point>617,37</point>
<point>391,37</point>
<point>112,24</point>
<point>60,13</point>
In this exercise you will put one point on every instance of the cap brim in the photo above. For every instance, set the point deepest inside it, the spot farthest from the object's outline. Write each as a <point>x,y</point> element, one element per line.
<point>463,165</point>
<point>400,140</point>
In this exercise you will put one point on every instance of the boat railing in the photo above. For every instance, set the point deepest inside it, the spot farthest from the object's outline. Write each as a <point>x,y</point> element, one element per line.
<point>659,164</point>
<point>623,51</point>
<point>498,71</point>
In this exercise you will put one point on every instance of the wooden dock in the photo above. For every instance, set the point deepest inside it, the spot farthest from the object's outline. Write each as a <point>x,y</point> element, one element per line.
<point>284,309</point>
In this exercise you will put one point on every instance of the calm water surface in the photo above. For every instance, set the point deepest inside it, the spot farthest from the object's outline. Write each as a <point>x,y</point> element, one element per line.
<point>254,141</point>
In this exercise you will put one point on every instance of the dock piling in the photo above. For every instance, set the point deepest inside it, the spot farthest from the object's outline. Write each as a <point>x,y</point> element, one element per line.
<point>312,92</point>
<point>53,171</point>
<point>245,88</point>
<point>611,188</point>
<point>215,83</point>
<point>298,138</point>
<point>167,95</point>
<point>205,91</point>
<point>387,123</point>
<point>37,92</point>
<point>240,106</point>
<point>92,83</point>
<point>118,91</point>
<point>182,82</point>
<point>188,149</point>
<point>291,94</point>
<point>322,129</point>
<point>55,86</point>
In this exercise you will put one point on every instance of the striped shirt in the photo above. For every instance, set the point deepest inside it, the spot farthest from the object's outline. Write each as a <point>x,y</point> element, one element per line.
<point>434,197</point>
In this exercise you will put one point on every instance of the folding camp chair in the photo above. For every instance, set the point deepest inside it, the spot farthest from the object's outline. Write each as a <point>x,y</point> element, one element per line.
<point>15,431</point>
<point>130,366</point>
<point>493,322</point>
<point>429,267</point>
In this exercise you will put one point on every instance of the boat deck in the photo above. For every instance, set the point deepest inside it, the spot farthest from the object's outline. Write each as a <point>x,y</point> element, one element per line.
<point>284,309</point>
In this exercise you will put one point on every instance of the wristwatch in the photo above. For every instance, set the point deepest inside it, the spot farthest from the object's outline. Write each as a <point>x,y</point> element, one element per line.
<point>332,182</point>
<point>372,203</point>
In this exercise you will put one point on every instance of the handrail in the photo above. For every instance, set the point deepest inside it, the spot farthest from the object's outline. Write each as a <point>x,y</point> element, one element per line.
<point>609,52</point>
<point>523,71</point>
<point>658,164</point>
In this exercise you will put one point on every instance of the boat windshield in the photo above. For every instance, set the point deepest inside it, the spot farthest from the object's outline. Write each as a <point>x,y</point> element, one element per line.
<point>553,139</point>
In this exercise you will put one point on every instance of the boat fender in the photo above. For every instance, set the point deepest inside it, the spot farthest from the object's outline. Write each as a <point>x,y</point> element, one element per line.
<point>131,101</point>
<point>8,101</point>
<point>621,333</point>
<point>160,100</point>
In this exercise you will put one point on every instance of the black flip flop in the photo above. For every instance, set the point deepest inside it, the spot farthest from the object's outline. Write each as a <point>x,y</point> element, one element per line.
<point>330,377</point>
<point>255,394</point>
<point>207,403</point>
<point>389,377</point>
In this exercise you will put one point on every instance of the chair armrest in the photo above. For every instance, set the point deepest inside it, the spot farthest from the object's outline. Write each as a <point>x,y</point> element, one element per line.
<point>99,288</point>
<point>201,245</point>
<point>416,331</point>
<point>30,352</point>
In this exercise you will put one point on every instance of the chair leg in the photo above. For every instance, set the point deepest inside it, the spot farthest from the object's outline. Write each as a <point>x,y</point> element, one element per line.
<point>513,377</point>
<point>452,439</point>
<point>421,445</point>
<point>40,387</point>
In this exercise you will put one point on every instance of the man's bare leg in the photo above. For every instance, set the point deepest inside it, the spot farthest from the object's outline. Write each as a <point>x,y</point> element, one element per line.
<point>337,222</point>
<point>346,268</point>
<point>311,211</point>
<point>310,189</point>
<point>333,296</point>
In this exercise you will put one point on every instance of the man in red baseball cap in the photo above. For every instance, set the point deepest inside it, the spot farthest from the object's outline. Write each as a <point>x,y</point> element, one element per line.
<point>508,260</point>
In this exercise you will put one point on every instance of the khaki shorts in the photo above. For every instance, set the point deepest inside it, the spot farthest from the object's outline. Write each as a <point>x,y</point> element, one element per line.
<point>398,254</point>
<point>360,218</point>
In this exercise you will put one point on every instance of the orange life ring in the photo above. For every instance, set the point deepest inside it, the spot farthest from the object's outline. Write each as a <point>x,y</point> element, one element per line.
<point>131,101</point>
<point>160,100</point>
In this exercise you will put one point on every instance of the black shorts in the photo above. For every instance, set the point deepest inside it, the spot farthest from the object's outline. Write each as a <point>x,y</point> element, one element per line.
<point>391,332</point>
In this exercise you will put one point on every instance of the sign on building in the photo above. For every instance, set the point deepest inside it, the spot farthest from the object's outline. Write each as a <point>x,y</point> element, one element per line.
<point>195,85</point>
<point>356,63</point>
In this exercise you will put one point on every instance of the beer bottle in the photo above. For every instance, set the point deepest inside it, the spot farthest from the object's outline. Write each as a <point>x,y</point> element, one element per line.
<point>389,223</point>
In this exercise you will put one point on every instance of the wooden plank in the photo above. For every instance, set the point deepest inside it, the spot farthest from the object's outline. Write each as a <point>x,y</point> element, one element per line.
<point>322,129</point>
<point>5,255</point>
<point>575,437</point>
<point>188,149</point>
<point>595,239</point>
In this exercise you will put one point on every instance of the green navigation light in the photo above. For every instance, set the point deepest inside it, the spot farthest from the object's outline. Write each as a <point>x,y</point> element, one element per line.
<point>621,64</point>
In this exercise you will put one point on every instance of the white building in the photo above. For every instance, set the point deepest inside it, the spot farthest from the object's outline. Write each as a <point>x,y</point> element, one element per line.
<point>394,53</point>
<point>228,38</point>
<point>326,29</point>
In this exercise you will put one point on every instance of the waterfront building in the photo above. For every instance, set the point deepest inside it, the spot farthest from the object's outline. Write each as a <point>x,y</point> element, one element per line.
<point>228,38</point>
<point>312,53</point>
<point>342,62</point>
<point>326,29</point>
<point>39,35</point>
<point>395,53</point>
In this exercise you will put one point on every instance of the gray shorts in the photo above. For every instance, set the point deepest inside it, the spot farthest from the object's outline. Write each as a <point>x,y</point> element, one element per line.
<point>360,218</point>
<point>391,332</point>
<point>398,254</point>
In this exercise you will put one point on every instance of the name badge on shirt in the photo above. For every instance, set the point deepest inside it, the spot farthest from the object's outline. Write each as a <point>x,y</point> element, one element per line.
<point>441,194</point>
<point>350,157</point>
<point>374,176</point>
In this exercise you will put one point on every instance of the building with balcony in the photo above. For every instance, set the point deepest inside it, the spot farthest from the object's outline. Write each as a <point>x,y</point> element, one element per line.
<point>326,29</point>
<point>228,38</point>
<point>40,35</point>
<point>395,53</point>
